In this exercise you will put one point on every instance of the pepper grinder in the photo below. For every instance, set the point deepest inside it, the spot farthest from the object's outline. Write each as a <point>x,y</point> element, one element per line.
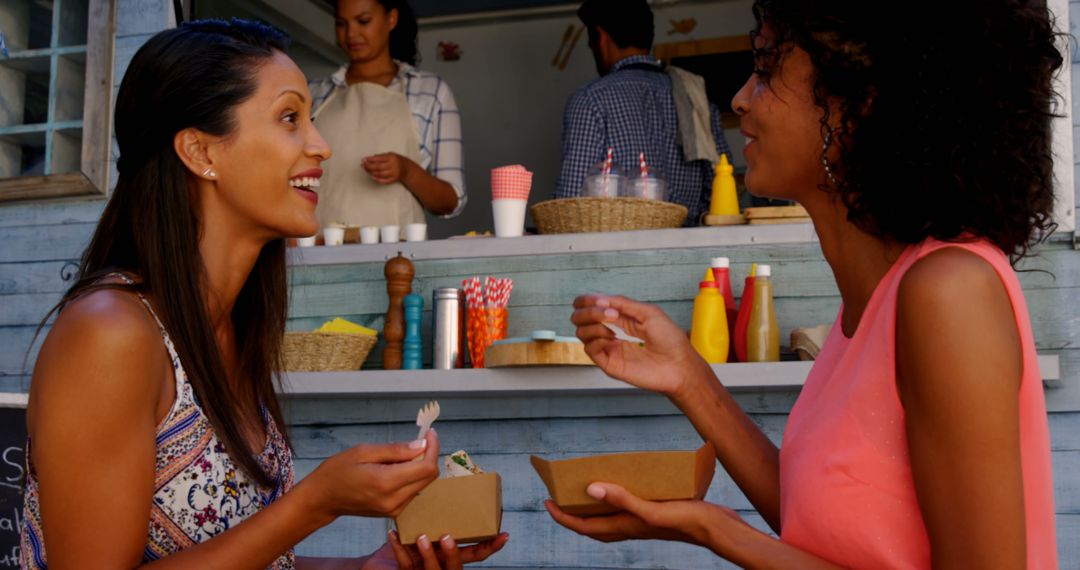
<point>399,274</point>
<point>411,357</point>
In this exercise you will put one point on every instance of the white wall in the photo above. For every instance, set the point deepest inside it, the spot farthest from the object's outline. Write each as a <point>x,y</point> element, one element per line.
<point>511,98</point>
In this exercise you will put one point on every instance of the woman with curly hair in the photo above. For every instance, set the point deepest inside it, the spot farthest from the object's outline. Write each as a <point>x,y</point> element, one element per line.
<point>919,142</point>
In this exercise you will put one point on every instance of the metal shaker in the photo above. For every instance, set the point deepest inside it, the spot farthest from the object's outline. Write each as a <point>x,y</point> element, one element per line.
<point>449,325</point>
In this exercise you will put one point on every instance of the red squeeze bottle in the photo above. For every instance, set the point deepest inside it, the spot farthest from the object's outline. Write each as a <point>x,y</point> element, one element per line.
<point>742,320</point>
<point>720,269</point>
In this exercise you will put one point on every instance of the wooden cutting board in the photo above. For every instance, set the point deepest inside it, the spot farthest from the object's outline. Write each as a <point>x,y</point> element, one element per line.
<point>542,348</point>
<point>776,215</point>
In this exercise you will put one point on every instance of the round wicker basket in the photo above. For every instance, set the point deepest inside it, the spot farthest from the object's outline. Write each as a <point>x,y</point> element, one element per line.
<point>323,352</point>
<point>576,215</point>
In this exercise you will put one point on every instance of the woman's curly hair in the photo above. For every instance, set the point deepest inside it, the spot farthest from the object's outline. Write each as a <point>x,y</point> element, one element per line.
<point>945,110</point>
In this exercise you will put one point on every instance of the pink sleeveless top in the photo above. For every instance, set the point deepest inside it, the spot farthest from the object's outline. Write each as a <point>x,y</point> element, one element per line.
<point>846,489</point>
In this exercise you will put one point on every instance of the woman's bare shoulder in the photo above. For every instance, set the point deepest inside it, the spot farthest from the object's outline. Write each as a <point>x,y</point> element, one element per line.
<point>104,347</point>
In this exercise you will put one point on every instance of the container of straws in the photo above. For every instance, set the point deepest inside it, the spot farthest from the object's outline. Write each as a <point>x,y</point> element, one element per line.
<point>647,184</point>
<point>604,180</point>
<point>487,314</point>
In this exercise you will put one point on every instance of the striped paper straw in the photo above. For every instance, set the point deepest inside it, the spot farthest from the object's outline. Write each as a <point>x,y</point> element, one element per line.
<point>508,287</point>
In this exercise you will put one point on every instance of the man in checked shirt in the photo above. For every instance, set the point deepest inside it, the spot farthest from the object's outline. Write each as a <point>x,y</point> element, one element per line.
<point>630,109</point>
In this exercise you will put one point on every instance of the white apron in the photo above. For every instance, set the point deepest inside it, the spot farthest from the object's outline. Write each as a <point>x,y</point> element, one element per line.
<point>357,121</point>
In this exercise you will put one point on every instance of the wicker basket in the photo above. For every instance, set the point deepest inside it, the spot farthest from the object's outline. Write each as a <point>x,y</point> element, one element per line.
<point>576,215</point>
<point>323,352</point>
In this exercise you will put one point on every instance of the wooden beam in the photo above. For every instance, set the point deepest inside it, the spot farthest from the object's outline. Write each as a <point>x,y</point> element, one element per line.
<point>97,103</point>
<point>667,52</point>
<point>51,186</point>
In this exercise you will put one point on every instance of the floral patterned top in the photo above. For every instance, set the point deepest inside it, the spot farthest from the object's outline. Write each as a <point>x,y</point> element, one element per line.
<point>199,492</point>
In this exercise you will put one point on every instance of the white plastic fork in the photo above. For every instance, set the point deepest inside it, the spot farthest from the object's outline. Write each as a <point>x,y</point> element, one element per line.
<point>622,335</point>
<point>427,416</point>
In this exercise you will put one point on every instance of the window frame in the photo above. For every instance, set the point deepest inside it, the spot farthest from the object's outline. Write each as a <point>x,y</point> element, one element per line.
<point>93,176</point>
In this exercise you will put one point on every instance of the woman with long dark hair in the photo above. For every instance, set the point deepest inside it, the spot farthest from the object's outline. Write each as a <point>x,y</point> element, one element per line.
<point>155,431</point>
<point>918,139</point>
<point>395,130</point>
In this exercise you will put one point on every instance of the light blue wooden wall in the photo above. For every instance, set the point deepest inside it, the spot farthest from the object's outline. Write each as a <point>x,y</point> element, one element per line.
<point>42,240</point>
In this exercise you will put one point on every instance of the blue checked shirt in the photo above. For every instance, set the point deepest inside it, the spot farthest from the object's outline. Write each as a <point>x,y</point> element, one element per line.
<point>435,113</point>
<point>633,111</point>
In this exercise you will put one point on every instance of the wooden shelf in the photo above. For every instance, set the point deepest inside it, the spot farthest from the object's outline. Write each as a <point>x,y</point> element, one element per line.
<point>463,248</point>
<point>545,381</point>
<point>524,381</point>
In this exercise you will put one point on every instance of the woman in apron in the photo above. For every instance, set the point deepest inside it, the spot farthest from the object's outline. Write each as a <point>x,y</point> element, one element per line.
<point>395,131</point>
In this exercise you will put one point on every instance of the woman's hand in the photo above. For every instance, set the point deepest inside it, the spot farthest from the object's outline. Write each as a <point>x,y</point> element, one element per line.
<point>374,480</point>
<point>694,522</point>
<point>387,168</point>
<point>662,365</point>
<point>423,555</point>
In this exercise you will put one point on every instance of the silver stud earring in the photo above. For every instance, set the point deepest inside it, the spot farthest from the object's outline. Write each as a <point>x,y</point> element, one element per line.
<point>209,172</point>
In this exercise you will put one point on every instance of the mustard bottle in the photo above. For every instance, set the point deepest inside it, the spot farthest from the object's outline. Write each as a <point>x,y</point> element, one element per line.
<point>709,330</point>
<point>725,199</point>
<point>762,333</point>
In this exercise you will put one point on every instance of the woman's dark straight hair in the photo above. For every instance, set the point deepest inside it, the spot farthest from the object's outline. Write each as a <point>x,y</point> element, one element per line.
<point>191,76</point>
<point>403,37</point>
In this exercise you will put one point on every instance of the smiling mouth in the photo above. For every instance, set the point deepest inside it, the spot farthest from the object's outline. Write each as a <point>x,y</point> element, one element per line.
<point>306,186</point>
<point>309,183</point>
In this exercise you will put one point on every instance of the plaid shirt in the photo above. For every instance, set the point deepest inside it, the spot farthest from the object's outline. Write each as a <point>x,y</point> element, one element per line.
<point>633,111</point>
<point>435,113</point>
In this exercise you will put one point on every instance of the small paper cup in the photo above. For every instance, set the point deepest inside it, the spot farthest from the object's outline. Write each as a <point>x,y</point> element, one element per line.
<point>369,234</point>
<point>333,236</point>
<point>509,217</point>
<point>305,241</point>
<point>390,234</point>
<point>415,232</point>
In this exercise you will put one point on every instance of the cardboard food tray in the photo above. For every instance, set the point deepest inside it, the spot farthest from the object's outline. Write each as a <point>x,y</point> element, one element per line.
<point>651,475</point>
<point>526,353</point>
<point>467,508</point>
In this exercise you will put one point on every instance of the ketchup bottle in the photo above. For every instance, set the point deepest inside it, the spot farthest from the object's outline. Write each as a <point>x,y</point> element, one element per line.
<point>722,276</point>
<point>742,319</point>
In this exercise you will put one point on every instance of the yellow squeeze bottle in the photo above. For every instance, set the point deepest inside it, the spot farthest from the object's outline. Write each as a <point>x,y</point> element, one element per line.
<point>762,333</point>
<point>725,199</point>
<point>709,330</point>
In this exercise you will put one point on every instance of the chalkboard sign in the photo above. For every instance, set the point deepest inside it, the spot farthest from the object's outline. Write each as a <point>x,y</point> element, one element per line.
<point>12,460</point>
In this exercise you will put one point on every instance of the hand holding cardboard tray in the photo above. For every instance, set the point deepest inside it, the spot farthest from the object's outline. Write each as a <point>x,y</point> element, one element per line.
<point>651,475</point>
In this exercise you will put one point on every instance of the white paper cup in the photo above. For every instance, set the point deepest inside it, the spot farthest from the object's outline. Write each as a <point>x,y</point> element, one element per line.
<point>369,234</point>
<point>509,217</point>
<point>333,236</point>
<point>415,232</point>
<point>390,234</point>
<point>305,241</point>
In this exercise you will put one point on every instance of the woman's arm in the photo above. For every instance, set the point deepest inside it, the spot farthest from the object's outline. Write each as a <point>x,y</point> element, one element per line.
<point>435,195</point>
<point>959,362</point>
<point>695,522</point>
<point>442,190</point>
<point>96,400</point>
<point>668,364</point>
<point>94,405</point>
<point>747,454</point>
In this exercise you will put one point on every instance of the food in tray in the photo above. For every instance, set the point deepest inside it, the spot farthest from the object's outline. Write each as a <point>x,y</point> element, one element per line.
<point>459,464</point>
<point>340,325</point>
